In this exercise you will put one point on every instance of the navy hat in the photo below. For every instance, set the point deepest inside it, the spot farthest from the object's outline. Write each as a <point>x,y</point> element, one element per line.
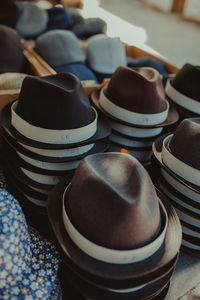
<point>9,13</point>
<point>78,22</point>
<point>32,20</point>
<point>105,54</point>
<point>59,18</point>
<point>184,90</point>
<point>59,48</point>
<point>28,263</point>
<point>80,70</point>
<point>11,52</point>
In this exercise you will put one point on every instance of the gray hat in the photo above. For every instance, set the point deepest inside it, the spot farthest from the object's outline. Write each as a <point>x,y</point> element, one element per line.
<point>105,54</point>
<point>32,20</point>
<point>60,47</point>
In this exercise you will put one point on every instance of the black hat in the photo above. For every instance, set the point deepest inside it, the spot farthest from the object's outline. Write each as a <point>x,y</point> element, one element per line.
<point>9,13</point>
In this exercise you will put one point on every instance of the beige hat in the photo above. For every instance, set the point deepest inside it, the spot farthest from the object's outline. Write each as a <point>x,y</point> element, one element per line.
<point>11,81</point>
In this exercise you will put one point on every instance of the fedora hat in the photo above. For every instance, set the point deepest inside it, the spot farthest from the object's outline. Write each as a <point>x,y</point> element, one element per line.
<point>11,52</point>
<point>181,159</point>
<point>100,252</point>
<point>65,119</point>
<point>29,263</point>
<point>32,20</point>
<point>60,48</point>
<point>144,106</point>
<point>105,54</point>
<point>9,13</point>
<point>183,89</point>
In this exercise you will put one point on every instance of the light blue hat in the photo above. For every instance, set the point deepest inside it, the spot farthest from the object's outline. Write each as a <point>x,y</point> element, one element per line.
<point>32,20</point>
<point>105,54</point>
<point>60,47</point>
<point>28,263</point>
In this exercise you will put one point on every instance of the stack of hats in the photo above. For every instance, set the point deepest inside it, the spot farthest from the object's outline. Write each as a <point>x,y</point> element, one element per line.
<point>119,238</point>
<point>105,55</point>
<point>134,101</point>
<point>184,90</point>
<point>46,133</point>
<point>61,49</point>
<point>11,52</point>
<point>28,263</point>
<point>178,158</point>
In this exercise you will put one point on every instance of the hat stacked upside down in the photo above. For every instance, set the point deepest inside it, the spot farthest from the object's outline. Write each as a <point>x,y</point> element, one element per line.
<point>119,238</point>
<point>178,157</point>
<point>46,132</point>
<point>135,105</point>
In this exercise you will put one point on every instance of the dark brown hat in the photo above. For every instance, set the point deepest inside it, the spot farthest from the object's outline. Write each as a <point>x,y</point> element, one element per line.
<point>109,220</point>
<point>180,153</point>
<point>9,13</point>
<point>136,98</point>
<point>11,52</point>
<point>53,112</point>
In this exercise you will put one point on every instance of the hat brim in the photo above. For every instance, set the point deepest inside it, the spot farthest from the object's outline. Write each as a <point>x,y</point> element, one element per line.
<point>112,275</point>
<point>157,151</point>
<point>99,146</point>
<point>173,115</point>
<point>103,131</point>
<point>92,291</point>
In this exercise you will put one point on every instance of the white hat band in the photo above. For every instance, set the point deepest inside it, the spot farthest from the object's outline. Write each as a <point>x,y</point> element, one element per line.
<point>52,136</point>
<point>129,116</point>
<point>182,100</point>
<point>179,167</point>
<point>111,255</point>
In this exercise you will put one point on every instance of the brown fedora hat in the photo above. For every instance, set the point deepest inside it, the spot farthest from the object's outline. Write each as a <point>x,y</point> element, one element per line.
<point>124,248</point>
<point>179,153</point>
<point>64,119</point>
<point>135,97</point>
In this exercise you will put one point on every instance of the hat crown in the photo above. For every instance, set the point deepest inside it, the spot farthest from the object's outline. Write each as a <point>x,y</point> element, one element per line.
<point>138,90</point>
<point>112,202</point>
<point>54,102</point>
<point>185,143</point>
<point>187,80</point>
<point>15,249</point>
<point>11,52</point>
<point>67,48</point>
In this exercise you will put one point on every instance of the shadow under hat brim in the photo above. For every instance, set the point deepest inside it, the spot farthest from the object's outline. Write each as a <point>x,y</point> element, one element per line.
<point>99,146</point>
<point>92,291</point>
<point>114,275</point>
<point>157,151</point>
<point>173,115</point>
<point>103,131</point>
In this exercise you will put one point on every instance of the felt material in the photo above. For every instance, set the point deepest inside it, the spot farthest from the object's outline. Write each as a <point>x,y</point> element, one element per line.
<point>78,22</point>
<point>93,26</point>
<point>186,81</point>
<point>105,54</point>
<point>9,13</point>
<point>187,151</point>
<point>58,18</point>
<point>60,47</point>
<point>139,90</point>
<point>112,212</point>
<point>32,20</point>
<point>147,62</point>
<point>11,52</point>
<point>80,70</point>
<point>39,110</point>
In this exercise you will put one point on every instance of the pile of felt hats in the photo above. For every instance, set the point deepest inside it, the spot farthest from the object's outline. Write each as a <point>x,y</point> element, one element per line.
<point>28,263</point>
<point>134,101</point>
<point>46,132</point>
<point>177,156</point>
<point>184,90</point>
<point>119,238</point>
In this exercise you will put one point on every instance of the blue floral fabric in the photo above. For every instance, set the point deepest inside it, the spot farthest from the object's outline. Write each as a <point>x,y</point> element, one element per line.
<point>28,263</point>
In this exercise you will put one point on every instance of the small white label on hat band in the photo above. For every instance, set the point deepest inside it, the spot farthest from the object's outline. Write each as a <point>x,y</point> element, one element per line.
<point>182,100</point>
<point>111,255</point>
<point>179,167</point>
<point>129,116</point>
<point>52,136</point>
